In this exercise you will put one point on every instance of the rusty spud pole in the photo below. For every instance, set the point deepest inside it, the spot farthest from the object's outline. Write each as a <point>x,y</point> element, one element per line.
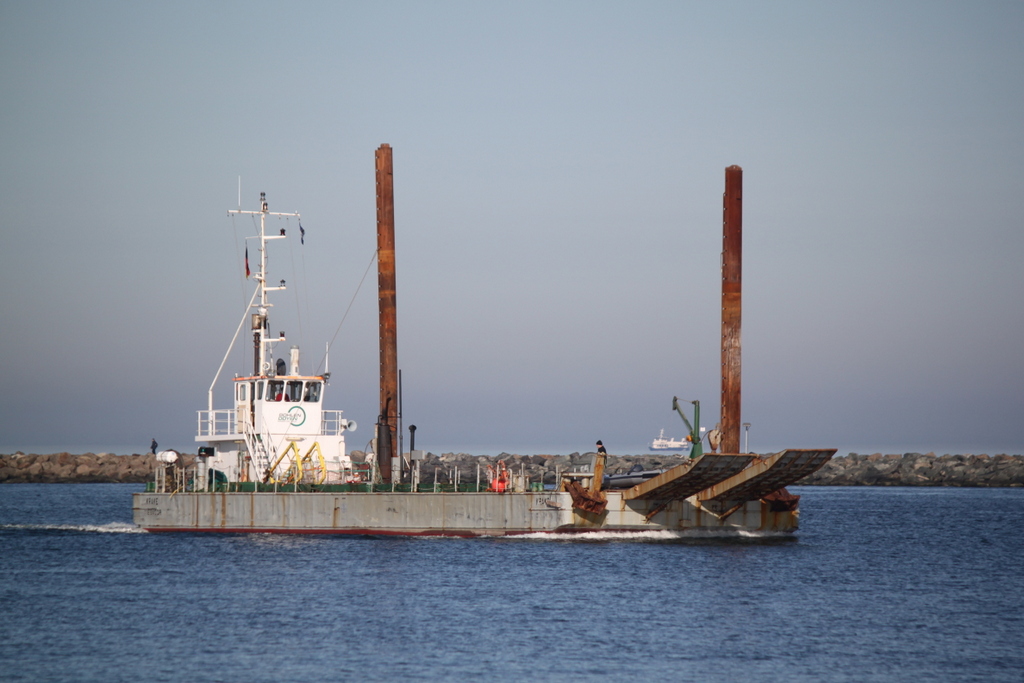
<point>387,425</point>
<point>732,279</point>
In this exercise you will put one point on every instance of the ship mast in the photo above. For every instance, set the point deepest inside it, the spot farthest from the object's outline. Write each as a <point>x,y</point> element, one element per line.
<point>261,339</point>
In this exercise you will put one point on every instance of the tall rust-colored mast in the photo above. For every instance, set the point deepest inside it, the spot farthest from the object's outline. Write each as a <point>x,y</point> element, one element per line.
<point>732,280</point>
<point>387,424</point>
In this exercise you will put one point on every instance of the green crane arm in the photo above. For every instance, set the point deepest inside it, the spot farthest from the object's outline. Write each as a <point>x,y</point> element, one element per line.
<point>675,407</point>
<point>694,428</point>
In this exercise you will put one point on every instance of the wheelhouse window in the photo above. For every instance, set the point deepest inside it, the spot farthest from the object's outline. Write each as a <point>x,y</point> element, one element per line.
<point>294,392</point>
<point>242,391</point>
<point>259,390</point>
<point>312,394</point>
<point>275,390</point>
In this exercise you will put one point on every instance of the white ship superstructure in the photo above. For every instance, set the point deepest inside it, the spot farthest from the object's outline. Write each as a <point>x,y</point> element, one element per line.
<point>278,429</point>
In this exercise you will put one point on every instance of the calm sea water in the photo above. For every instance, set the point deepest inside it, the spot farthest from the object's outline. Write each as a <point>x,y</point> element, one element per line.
<point>880,584</point>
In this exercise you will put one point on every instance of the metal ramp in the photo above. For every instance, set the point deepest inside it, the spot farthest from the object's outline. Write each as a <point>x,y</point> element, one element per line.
<point>764,476</point>
<point>683,481</point>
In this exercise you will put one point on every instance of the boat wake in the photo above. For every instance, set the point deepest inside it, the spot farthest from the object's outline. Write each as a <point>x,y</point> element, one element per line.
<point>112,528</point>
<point>662,536</point>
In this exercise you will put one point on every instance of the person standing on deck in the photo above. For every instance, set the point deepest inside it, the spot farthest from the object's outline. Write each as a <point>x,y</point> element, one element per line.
<point>599,461</point>
<point>152,446</point>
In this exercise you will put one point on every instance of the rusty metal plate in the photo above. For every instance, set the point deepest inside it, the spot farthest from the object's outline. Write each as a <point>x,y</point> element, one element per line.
<point>762,477</point>
<point>689,478</point>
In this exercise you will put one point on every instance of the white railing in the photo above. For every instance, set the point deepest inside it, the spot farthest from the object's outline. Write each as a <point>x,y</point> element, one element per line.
<point>217,423</point>
<point>223,423</point>
<point>332,423</point>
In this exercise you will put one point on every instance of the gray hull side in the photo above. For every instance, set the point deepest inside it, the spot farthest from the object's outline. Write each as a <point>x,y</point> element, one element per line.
<point>443,514</point>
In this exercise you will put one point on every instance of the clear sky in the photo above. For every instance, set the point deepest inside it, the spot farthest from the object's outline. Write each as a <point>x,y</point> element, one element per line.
<point>559,169</point>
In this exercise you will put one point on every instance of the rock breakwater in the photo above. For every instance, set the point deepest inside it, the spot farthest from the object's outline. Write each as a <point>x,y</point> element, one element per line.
<point>56,468</point>
<point>908,469</point>
<point>920,469</point>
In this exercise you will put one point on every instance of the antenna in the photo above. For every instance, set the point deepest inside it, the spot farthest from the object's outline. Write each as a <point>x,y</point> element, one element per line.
<point>239,193</point>
<point>263,342</point>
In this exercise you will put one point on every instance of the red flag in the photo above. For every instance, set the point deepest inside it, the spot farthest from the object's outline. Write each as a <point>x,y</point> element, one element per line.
<point>247,261</point>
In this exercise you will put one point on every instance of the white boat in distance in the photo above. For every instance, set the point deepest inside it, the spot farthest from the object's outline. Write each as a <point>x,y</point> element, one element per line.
<point>663,444</point>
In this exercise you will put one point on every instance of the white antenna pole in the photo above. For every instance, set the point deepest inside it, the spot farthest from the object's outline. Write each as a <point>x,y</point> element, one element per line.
<point>239,193</point>
<point>265,341</point>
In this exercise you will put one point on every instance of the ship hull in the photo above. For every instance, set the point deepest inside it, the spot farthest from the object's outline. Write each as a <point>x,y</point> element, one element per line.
<point>437,514</point>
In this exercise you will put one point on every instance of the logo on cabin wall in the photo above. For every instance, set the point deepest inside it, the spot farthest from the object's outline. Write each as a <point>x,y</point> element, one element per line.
<point>295,415</point>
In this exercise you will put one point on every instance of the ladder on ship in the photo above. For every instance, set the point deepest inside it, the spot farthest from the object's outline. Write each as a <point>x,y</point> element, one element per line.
<point>259,444</point>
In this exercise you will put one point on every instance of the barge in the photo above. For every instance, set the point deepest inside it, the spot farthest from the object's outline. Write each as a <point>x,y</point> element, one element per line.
<point>277,462</point>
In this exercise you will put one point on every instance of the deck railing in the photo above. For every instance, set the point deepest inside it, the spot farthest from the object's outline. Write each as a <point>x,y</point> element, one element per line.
<point>217,423</point>
<point>223,423</point>
<point>331,422</point>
